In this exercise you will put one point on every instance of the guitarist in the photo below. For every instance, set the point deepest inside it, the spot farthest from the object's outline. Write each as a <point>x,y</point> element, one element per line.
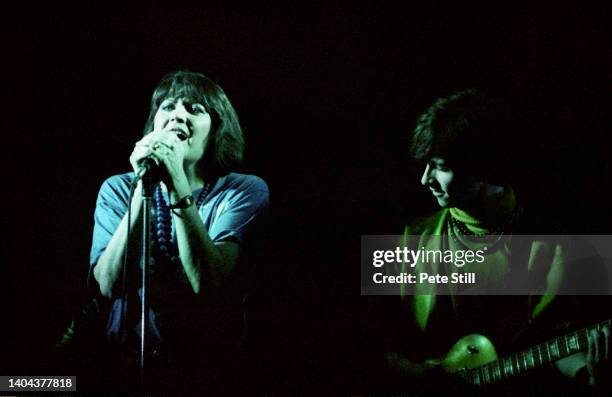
<point>463,142</point>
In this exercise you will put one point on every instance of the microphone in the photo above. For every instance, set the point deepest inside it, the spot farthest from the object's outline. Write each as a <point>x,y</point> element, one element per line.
<point>146,166</point>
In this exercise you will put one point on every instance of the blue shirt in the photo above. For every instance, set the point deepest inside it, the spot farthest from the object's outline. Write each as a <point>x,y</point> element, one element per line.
<point>228,211</point>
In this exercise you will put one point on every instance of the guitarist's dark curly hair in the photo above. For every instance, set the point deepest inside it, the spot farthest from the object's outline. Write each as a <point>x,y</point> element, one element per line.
<point>471,131</point>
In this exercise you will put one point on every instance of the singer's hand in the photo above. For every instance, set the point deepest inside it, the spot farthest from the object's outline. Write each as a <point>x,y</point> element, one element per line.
<point>167,150</point>
<point>142,149</point>
<point>170,151</point>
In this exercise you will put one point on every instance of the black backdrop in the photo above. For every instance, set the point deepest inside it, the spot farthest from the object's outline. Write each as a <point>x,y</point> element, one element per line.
<point>327,96</point>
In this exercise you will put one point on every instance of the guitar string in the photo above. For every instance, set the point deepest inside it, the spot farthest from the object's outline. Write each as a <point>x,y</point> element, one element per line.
<point>485,372</point>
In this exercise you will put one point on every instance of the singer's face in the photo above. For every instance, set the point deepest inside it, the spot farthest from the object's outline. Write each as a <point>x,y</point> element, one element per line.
<point>189,120</point>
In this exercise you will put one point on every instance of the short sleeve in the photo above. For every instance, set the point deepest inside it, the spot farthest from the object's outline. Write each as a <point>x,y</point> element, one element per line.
<point>111,207</point>
<point>239,210</point>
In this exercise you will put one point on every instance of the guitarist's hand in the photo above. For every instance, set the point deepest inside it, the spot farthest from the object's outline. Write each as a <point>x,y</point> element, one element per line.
<point>439,380</point>
<point>431,375</point>
<point>598,356</point>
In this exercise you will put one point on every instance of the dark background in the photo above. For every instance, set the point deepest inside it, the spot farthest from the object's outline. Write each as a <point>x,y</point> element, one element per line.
<point>327,97</point>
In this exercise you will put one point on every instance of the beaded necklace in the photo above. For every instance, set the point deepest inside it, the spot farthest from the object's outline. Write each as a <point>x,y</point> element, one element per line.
<point>464,237</point>
<point>164,241</point>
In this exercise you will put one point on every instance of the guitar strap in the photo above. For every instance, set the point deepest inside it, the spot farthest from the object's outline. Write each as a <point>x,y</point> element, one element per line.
<point>520,275</point>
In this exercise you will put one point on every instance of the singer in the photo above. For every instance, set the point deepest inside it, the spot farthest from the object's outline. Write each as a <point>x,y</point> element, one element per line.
<point>202,214</point>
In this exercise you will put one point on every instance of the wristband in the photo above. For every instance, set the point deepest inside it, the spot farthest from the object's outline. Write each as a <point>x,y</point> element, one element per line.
<point>185,202</point>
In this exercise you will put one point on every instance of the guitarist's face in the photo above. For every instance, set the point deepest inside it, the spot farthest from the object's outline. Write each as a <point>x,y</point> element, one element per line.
<point>450,188</point>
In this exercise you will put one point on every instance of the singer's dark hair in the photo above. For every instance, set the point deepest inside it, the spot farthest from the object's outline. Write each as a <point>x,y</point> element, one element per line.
<point>225,148</point>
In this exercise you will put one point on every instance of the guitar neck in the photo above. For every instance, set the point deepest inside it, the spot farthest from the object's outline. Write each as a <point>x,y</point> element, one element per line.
<point>533,357</point>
